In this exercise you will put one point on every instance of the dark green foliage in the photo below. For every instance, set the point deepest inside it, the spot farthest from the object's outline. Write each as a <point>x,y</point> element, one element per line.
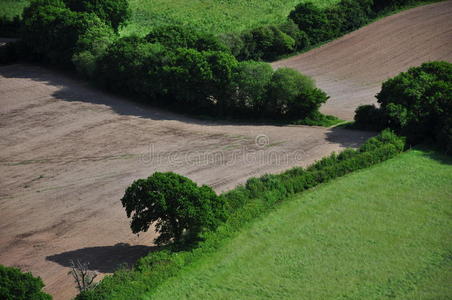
<point>249,87</point>
<point>292,30</point>
<point>244,204</point>
<point>351,14</point>
<point>268,42</point>
<point>114,12</point>
<point>417,104</point>
<point>15,285</point>
<point>312,20</point>
<point>53,31</point>
<point>131,65</point>
<point>177,36</point>
<point>179,209</point>
<point>292,95</point>
<point>369,117</point>
<point>379,5</point>
<point>10,27</point>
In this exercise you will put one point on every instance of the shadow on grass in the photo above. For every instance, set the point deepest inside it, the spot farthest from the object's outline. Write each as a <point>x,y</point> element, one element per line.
<point>435,153</point>
<point>105,259</point>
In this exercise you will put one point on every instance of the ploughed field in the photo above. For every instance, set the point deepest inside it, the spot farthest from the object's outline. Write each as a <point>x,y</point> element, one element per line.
<point>68,152</point>
<point>352,68</point>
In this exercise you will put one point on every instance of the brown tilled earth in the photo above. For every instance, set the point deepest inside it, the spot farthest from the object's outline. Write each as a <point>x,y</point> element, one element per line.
<point>351,69</point>
<point>68,151</point>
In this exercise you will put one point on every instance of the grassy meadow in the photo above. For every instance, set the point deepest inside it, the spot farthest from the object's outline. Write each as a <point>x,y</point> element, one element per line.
<point>215,16</point>
<point>384,232</point>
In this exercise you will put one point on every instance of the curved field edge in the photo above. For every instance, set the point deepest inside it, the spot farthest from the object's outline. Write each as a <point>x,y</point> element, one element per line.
<point>383,232</point>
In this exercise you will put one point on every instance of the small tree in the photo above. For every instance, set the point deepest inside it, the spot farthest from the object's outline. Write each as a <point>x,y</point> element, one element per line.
<point>82,275</point>
<point>179,208</point>
<point>15,285</point>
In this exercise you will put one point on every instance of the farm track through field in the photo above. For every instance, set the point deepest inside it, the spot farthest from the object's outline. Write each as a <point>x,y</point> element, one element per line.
<point>68,151</point>
<point>352,68</point>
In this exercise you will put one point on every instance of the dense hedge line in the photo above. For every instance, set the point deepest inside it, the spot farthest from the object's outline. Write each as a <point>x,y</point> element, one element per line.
<point>416,104</point>
<point>173,66</point>
<point>308,25</point>
<point>244,204</point>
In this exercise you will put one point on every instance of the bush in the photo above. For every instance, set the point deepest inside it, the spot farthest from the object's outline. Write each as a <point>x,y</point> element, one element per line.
<point>249,87</point>
<point>115,13</point>
<point>179,208</point>
<point>292,95</point>
<point>131,65</point>
<point>300,37</point>
<point>53,31</point>
<point>351,14</point>
<point>312,20</point>
<point>369,117</point>
<point>177,36</point>
<point>416,104</point>
<point>15,285</point>
<point>268,42</point>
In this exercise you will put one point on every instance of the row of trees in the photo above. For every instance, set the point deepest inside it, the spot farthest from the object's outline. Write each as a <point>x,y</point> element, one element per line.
<point>416,104</point>
<point>307,25</point>
<point>173,66</point>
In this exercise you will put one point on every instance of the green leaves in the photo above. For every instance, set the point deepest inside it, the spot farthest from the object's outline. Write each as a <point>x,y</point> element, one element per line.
<point>178,208</point>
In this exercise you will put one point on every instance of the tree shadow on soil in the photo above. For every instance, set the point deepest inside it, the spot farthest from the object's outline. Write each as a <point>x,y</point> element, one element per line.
<point>72,89</point>
<point>105,259</point>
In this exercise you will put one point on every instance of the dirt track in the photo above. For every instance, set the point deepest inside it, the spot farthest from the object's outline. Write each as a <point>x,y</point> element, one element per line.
<point>68,152</point>
<point>352,68</point>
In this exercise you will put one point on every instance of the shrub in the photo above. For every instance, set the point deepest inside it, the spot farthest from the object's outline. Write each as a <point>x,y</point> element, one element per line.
<point>369,117</point>
<point>249,87</point>
<point>379,5</point>
<point>179,208</point>
<point>292,95</point>
<point>300,37</point>
<point>15,285</point>
<point>52,31</point>
<point>269,42</point>
<point>177,36</point>
<point>351,14</point>
<point>312,20</point>
<point>416,103</point>
<point>90,46</point>
<point>114,12</point>
<point>130,64</point>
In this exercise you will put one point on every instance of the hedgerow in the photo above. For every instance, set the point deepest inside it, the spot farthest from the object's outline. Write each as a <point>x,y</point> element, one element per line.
<point>243,204</point>
<point>416,104</point>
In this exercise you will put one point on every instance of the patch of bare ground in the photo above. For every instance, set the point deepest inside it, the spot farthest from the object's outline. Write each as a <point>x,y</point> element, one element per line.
<point>68,151</point>
<point>352,68</point>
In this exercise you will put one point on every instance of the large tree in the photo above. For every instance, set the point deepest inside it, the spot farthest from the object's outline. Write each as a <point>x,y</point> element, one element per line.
<point>178,207</point>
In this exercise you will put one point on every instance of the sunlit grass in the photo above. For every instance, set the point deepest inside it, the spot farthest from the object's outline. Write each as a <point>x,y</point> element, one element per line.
<point>384,232</point>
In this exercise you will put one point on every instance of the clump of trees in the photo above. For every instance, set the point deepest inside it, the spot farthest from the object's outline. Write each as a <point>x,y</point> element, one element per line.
<point>179,209</point>
<point>175,66</point>
<point>16,285</point>
<point>416,104</point>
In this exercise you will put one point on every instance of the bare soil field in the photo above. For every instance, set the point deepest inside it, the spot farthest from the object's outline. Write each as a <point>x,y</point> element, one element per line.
<point>68,151</point>
<point>352,68</point>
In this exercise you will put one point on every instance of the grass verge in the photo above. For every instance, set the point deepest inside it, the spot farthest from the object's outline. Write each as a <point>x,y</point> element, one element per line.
<point>383,232</point>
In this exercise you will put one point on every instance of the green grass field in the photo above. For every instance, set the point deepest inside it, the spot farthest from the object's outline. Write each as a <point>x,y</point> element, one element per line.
<point>384,232</point>
<point>215,16</point>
